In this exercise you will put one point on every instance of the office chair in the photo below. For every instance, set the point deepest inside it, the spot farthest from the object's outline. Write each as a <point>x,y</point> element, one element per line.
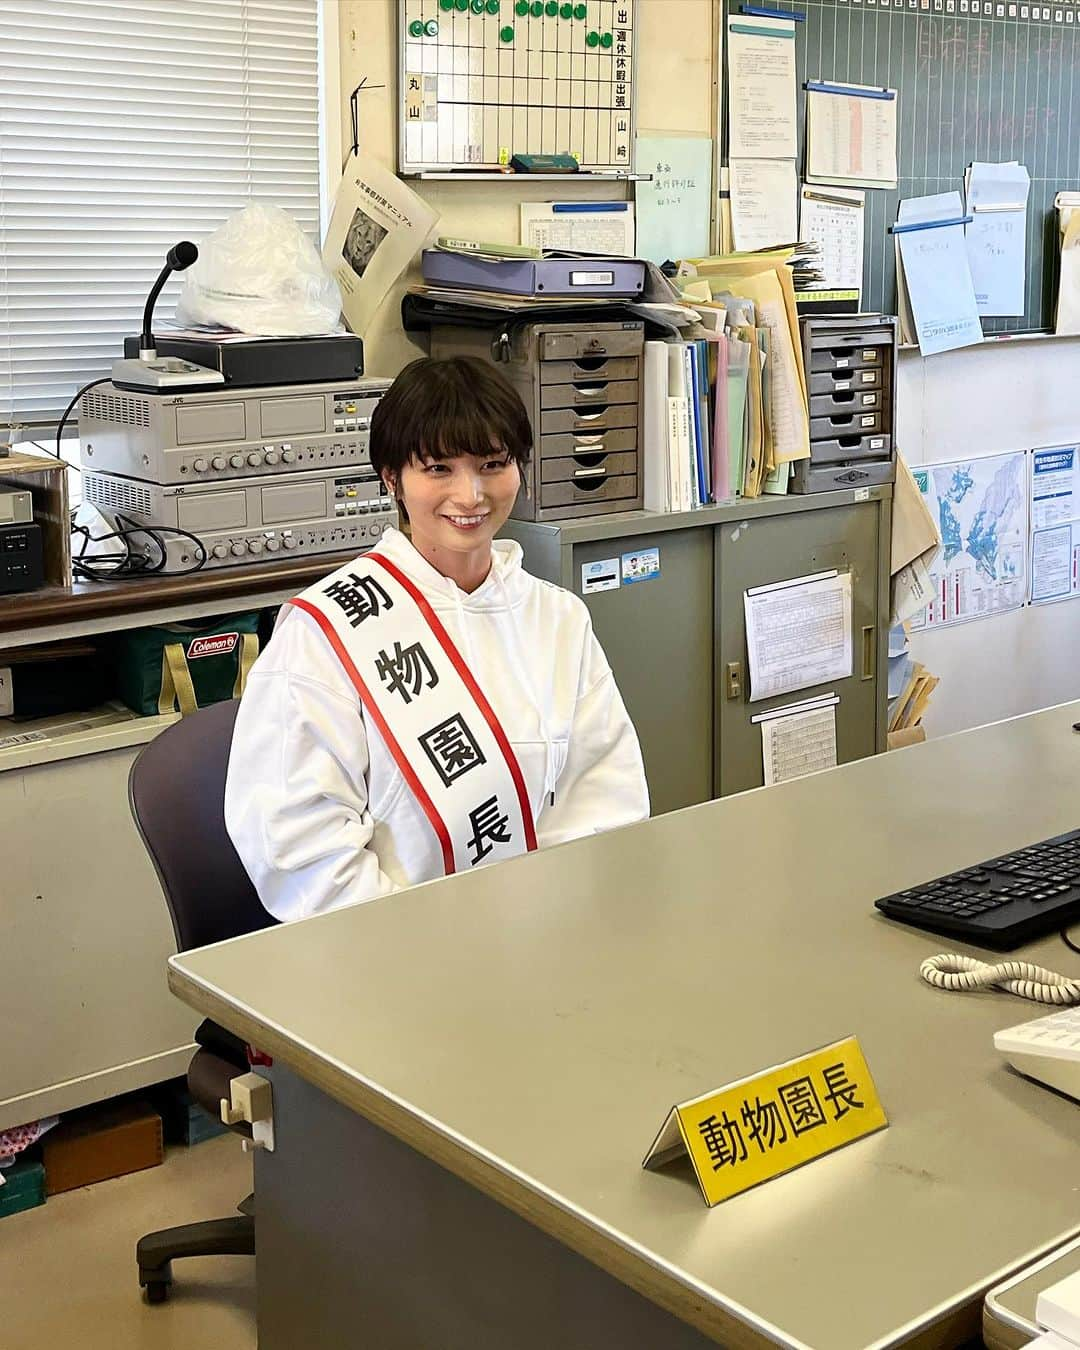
<point>177,791</point>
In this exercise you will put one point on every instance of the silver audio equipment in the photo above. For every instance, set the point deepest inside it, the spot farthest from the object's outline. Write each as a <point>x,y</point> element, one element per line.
<point>210,436</point>
<point>273,516</point>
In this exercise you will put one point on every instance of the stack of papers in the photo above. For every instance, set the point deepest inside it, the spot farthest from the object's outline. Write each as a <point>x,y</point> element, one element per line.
<point>910,687</point>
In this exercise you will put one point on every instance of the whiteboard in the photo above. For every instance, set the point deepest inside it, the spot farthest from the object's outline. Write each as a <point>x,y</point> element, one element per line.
<point>484,78</point>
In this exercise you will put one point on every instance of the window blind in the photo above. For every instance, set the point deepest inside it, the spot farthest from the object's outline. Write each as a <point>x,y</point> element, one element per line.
<point>126,125</point>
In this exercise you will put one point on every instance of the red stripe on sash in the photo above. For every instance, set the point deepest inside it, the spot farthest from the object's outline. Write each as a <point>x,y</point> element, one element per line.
<point>474,689</point>
<point>437,822</point>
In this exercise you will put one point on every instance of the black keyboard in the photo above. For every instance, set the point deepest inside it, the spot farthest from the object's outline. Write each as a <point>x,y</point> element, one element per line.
<point>1002,903</point>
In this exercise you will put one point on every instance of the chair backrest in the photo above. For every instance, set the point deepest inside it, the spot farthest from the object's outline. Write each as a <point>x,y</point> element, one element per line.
<point>177,793</point>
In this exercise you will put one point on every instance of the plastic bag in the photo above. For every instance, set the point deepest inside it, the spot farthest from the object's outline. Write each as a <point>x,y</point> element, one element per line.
<point>260,273</point>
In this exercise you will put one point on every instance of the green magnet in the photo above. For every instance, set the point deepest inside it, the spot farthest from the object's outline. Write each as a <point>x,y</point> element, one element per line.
<point>551,8</point>
<point>493,6</point>
<point>580,11</point>
<point>462,5</point>
<point>477,6</point>
<point>521,8</point>
<point>536,8</point>
<point>567,12</point>
<point>606,40</point>
<point>592,39</point>
<point>507,34</point>
<point>416,28</point>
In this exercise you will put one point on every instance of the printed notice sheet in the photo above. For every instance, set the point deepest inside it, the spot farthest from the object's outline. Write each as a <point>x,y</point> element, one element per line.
<point>1055,486</point>
<point>798,633</point>
<point>763,203</point>
<point>833,219</point>
<point>798,739</point>
<point>981,508</point>
<point>762,121</point>
<point>851,135</point>
<point>1055,524</point>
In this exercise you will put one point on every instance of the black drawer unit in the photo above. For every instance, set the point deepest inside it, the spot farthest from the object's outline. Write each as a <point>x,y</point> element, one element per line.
<point>851,373</point>
<point>581,383</point>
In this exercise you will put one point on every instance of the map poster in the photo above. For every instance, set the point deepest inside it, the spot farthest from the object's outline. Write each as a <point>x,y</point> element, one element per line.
<point>981,508</point>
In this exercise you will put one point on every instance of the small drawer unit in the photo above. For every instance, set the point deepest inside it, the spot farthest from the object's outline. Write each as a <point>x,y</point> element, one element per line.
<point>581,385</point>
<point>851,373</point>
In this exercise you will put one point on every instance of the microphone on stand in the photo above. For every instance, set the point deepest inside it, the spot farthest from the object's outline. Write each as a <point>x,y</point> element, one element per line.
<point>163,373</point>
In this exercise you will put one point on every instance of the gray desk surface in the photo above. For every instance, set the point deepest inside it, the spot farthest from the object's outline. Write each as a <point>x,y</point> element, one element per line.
<point>529,1026</point>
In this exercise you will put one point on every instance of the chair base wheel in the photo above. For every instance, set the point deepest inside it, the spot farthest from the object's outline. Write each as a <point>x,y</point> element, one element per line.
<point>157,1291</point>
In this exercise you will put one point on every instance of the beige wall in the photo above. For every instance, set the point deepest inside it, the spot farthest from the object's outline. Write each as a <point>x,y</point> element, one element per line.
<point>675,72</point>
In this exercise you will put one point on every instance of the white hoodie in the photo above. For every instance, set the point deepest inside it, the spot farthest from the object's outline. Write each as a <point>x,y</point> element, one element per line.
<point>315,804</point>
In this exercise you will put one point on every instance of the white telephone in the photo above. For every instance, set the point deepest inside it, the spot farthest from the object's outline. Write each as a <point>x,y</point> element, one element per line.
<point>1057,1311</point>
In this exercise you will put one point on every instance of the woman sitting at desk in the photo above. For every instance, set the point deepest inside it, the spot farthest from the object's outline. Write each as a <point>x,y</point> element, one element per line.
<point>430,707</point>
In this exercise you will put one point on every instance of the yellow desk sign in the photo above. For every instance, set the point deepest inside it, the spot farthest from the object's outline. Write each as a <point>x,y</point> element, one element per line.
<point>761,1126</point>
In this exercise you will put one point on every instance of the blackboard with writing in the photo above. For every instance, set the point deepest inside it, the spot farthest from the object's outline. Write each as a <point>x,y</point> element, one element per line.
<point>976,80</point>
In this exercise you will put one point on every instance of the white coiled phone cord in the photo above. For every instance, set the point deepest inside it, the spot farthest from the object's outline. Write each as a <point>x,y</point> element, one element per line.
<point>953,972</point>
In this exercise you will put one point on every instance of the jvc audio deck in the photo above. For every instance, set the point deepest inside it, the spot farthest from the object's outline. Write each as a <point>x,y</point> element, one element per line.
<point>321,511</point>
<point>212,435</point>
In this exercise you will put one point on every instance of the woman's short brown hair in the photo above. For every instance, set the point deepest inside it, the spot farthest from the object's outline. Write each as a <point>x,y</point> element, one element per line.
<point>445,408</point>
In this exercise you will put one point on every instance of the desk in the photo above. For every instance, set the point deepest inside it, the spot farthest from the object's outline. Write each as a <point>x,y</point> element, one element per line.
<point>1009,1311</point>
<point>82,1003</point>
<point>468,1074</point>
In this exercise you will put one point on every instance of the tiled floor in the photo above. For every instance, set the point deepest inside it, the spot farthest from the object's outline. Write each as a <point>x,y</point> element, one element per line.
<point>68,1274</point>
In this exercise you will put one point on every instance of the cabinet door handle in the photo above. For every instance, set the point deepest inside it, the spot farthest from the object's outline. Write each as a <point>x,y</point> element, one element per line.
<point>868,662</point>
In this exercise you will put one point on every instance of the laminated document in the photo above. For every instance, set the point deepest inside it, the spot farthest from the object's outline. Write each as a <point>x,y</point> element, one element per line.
<point>850,134</point>
<point>798,739</point>
<point>762,121</point>
<point>763,203</point>
<point>798,633</point>
<point>996,235</point>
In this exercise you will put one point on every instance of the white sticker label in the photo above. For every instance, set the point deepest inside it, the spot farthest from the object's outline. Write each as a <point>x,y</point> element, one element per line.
<point>592,278</point>
<point>862,494</point>
<point>644,565</point>
<point>7,700</point>
<point>600,576</point>
<point>26,738</point>
<point>869,400</point>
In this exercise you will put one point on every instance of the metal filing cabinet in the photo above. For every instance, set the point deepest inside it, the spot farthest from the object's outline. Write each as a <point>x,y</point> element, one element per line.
<point>672,640</point>
<point>851,368</point>
<point>581,384</point>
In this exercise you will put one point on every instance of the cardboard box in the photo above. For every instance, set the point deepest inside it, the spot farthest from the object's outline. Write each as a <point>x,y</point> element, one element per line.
<point>103,1141</point>
<point>47,480</point>
<point>898,740</point>
<point>183,1120</point>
